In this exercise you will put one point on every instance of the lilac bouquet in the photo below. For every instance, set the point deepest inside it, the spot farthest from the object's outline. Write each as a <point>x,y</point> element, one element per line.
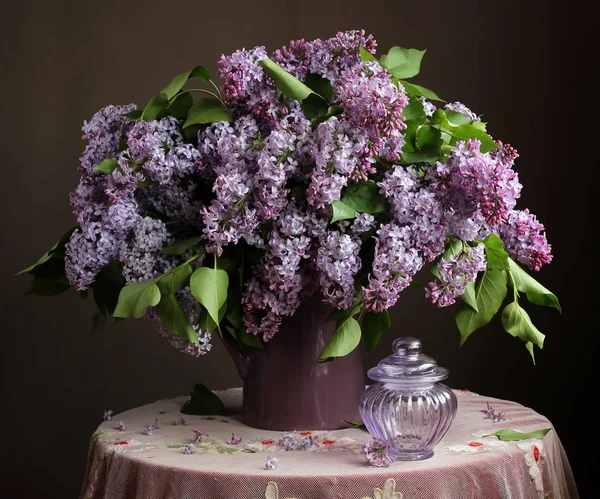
<point>316,172</point>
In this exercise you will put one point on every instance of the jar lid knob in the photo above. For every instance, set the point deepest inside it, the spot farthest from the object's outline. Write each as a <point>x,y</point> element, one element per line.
<point>406,346</point>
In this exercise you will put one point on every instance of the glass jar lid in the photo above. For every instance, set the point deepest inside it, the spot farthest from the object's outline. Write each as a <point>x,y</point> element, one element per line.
<point>407,364</point>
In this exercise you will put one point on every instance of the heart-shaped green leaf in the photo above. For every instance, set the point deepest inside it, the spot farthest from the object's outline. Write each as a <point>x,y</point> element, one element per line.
<point>373,326</point>
<point>174,318</point>
<point>209,287</point>
<point>345,339</point>
<point>490,291</point>
<point>536,293</point>
<point>107,166</point>
<point>364,197</point>
<point>156,108</point>
<point>135,298</point>
<point>207,110</point>
<point>342,211</point>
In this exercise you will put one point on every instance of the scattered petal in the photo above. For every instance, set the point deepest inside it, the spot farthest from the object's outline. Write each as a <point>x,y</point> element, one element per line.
<point>233,440</point>
<point>376,453</point>
<point>271,463</point>
<point>200,436</point>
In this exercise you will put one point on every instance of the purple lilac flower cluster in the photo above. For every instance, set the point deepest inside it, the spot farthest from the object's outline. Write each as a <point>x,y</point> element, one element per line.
<point>268,179</point>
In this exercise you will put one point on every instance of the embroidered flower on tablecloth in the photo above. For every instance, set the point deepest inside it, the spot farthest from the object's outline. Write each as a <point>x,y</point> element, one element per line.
<point>108,415</point>
<point>121,426</point>
<point>272,491</point>
<point>189,449</point>
<point>298,441</point>
<point>148,431</point>
<point>388,492</point>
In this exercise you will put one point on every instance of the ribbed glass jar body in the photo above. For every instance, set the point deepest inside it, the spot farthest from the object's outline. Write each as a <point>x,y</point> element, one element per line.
<point>412,417</point>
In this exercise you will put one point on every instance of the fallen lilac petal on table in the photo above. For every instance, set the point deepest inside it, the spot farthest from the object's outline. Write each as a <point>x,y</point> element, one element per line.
<point>376,453</point>
<point>271,463</point>
<point>233,440</point>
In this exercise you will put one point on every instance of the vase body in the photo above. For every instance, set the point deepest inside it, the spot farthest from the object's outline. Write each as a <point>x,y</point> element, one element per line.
<point>286,389</point>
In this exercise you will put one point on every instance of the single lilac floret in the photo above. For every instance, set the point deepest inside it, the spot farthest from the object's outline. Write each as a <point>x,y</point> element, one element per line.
<point>376,453</point>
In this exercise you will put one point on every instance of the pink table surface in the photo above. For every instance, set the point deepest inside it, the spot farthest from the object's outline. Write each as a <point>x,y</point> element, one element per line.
<point>128,464</point>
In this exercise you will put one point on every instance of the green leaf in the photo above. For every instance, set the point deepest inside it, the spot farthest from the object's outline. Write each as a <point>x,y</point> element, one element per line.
<point>420,157</point>
<point>469,296</point>
<point>207,110</point>
<point>536,293</point>
<point>107,166</point>
<point>108,284</point>
<point>315,106</point>
<point>465,132</point>
<point>156,108</point>
<point>248,340</point>
<point>48,286</point>
<point>366,55</point>
<point>289,85</point>
<point>135,298</point>
<point>496,255</point>
<point>364,197</point>
<point>178,81</point>
<point>320,85</point>
<point>234,306</point>
<point>180,106</point>
<point>517,322</point>
<point>174,318</point>
<point>373,326</point>
<point>134,115</point>
<point>414,112</point>
<point>58,249</point>
<point>342,211</point>
<point>205,320</point>
<point>180,247</point>
<point>345,339</point>
<point>429,140</point>
<point>456,119</point>
<point>209,287</point>
<point>203,402</point>
<point>355,424</point>
<point>419,91</point>
<point>509,435</point>
<point>201,73</point>
<point>403,63</point>
<point>175,280</point>
<point>338,315</point>
<point>490,291</point>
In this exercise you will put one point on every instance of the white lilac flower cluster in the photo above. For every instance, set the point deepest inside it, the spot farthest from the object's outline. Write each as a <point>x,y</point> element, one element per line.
<point>267,179</point>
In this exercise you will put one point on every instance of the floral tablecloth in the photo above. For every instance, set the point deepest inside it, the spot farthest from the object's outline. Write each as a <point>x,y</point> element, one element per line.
<point>153,452</point>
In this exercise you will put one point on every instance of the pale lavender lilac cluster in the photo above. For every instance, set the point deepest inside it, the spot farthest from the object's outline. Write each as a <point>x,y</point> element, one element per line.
<point>454,274</point>
<point>268,180</point>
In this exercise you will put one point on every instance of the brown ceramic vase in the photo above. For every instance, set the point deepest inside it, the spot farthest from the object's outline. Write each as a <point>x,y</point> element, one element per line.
<point>284,386</point>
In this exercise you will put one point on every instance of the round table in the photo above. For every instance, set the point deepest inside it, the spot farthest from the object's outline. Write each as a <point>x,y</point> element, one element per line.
<point>151,458</point>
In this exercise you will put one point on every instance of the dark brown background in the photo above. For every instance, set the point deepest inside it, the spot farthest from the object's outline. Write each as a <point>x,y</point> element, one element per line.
<point>515,62</point>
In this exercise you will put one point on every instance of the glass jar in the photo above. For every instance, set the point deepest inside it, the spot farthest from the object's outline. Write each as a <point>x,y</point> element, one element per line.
<point>408,407</point>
